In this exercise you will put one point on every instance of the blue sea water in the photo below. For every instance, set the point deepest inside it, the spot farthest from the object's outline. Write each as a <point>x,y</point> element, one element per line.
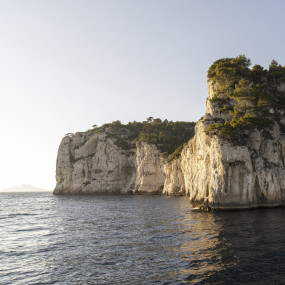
<point>46,239</point>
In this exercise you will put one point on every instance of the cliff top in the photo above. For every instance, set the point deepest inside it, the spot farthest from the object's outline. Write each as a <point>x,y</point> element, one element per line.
<point>167,136</point>
<point>246,98</point>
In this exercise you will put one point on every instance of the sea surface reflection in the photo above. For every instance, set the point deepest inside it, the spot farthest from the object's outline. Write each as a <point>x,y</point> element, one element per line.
<point>46,239</point>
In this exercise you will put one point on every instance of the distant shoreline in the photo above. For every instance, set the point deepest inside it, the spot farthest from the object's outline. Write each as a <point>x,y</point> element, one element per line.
<point>23,188</point>
<point>40,191</point>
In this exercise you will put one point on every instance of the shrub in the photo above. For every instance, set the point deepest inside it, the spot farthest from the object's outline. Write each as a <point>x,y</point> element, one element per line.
<point>166,135</point>
<point>253,92</point>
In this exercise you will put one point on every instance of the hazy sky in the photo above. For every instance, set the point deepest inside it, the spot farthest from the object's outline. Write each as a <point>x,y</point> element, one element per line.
<point>67,65</point>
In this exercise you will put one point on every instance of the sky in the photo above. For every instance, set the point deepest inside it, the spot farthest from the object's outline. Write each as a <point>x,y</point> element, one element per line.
<point>66,65</point>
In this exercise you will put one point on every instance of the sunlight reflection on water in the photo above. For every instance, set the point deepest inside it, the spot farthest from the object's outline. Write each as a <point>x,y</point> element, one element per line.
<point>136,240</point>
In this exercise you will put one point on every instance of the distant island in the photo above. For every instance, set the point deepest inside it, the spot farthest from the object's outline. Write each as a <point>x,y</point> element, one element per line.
<point>232,158</point>
<point>24,188</point>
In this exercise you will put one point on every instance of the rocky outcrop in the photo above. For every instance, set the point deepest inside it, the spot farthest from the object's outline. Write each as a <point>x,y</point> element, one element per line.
<point>93,163</point>
<point>236,160</point>
<point>174,179</point>
<point>150,176</point>
<point>219,174</point>
<point>90,163</point>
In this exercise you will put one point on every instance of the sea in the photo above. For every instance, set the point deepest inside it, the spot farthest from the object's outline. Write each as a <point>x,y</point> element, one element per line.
<point>135,239</point>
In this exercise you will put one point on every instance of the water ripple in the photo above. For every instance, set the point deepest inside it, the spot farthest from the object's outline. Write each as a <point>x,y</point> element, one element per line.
<point>46,239</point>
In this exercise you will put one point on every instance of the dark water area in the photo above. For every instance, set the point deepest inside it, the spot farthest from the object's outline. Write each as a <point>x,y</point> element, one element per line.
<point>46,239</point>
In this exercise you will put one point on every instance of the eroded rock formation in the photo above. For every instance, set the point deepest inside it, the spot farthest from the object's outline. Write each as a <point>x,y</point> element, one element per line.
<point>235,160</point>
<point>90,163</point>
<point>220,174</point>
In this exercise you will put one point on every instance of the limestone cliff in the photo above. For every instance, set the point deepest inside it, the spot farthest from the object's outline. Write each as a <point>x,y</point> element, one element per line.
<point>89,164</point>
<point>117,158</point>
<point>235,160</point>
<point>237,157</point>
<point>174,184</point>
<point>150,176</point>
<point>221,175</point>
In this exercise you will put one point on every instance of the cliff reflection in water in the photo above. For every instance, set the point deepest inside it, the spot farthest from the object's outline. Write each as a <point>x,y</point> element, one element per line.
<point>244,247</point>
<point>46,239</point>
<point>200,249</point>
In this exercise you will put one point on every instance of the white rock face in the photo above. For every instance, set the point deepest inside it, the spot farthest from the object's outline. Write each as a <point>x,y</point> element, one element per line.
<point>150,176</point>
<point>220,175</point>
<point>92,163</point>
<point>174,179</point>
<point>214,172</point>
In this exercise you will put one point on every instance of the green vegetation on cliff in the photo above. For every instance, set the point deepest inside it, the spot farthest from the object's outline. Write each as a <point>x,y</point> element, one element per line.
<point>168,136</point>
<point>249,98</point>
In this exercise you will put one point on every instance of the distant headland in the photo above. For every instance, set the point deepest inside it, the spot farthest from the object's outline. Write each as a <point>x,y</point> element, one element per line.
<point>24,188</point>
